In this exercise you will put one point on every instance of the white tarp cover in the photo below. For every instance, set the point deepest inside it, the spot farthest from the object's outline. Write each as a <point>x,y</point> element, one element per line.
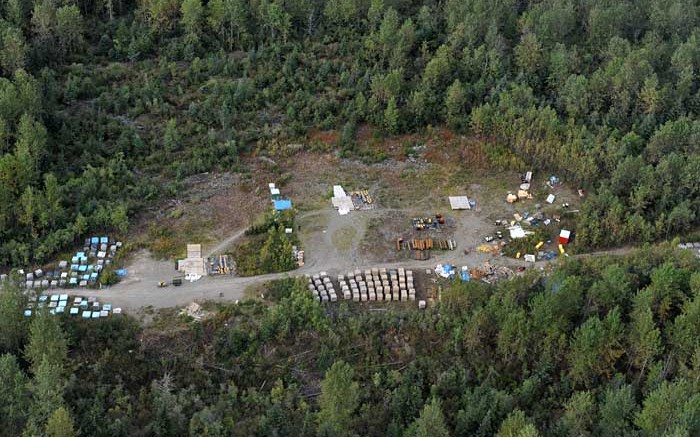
<point>550,199</point>
<point>518,232</point>
<point>341,200</point>
<point>342,203</point>
<point>459,202</point>
<point>338,191</point>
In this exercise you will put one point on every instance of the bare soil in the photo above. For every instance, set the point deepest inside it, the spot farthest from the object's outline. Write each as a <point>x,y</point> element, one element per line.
<point>221,206</point>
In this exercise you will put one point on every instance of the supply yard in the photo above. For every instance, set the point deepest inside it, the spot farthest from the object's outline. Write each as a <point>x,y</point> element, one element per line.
<point>416,226</point>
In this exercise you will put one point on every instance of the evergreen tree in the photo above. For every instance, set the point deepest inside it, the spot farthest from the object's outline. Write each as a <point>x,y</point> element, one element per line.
<point>339,398</point>
<point>13,396</point>
<point>60,424</point>
<point>47,342</point>
<point>430,423</point>
<point>13,326</point>
<point>391,117</point>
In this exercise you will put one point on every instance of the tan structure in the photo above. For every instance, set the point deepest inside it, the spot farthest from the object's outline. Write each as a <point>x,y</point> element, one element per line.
<point>194,263</point>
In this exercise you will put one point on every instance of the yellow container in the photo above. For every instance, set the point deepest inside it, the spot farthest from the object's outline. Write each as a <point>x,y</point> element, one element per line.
<point>540,244</point>
<point>561,249</point>
<point>517,255</point>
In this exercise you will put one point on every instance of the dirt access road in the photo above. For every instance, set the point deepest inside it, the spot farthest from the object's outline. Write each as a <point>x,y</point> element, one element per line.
<point>335,241</point>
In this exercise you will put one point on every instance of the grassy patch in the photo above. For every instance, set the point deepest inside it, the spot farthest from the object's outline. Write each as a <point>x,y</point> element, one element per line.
<point>167,242</point>
<point>343,238</point>
<point>526,244</point>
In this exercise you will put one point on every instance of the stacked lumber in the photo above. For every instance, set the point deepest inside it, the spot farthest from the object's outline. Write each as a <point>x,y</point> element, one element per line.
<point>322,289</point>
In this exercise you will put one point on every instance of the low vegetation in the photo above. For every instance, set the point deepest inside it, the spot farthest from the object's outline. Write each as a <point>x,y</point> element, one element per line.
<point>106,108</point>
<point>268,247</point>
<point>605,346</point>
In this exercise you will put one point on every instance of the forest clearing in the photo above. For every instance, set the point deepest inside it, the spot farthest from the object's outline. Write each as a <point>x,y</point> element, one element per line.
<point>345,218</point>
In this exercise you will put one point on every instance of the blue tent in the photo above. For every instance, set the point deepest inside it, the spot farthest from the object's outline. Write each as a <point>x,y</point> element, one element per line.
<point>94,240</point>
<point>281,205</point>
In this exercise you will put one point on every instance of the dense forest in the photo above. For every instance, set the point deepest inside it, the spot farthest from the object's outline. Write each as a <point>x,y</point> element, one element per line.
<point>602,347</point>
<point>105,106</point>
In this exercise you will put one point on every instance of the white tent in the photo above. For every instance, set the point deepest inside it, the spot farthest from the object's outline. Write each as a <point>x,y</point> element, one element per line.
<point>338,191</point>
<point>341,201</point>
<point>459,202</point>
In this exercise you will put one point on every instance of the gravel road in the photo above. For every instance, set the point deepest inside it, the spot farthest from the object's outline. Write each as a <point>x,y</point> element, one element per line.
<point>140,288</point>
<point>332,243</point>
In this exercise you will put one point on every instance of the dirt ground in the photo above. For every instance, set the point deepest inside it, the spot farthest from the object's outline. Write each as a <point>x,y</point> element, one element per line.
<point>215,209</point>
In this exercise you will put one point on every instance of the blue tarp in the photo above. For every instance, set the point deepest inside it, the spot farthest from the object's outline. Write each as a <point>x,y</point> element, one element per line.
<point>94,240</point>
<point>74,311</point>
<point>80,255</point>
<point>82,268</point>
<point>107,307</point>
<point>27,313</point>
<point>87,314</point>
<point>465,276</point>
<point>104,240</point>
<point>281,205</point>
<point>121,272</point>
<point>73,281</point>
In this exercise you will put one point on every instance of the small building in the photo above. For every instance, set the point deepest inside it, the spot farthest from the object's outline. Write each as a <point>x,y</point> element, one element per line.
<point>275,193</point>
<point>564,236</point>
<point>194,263</point>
